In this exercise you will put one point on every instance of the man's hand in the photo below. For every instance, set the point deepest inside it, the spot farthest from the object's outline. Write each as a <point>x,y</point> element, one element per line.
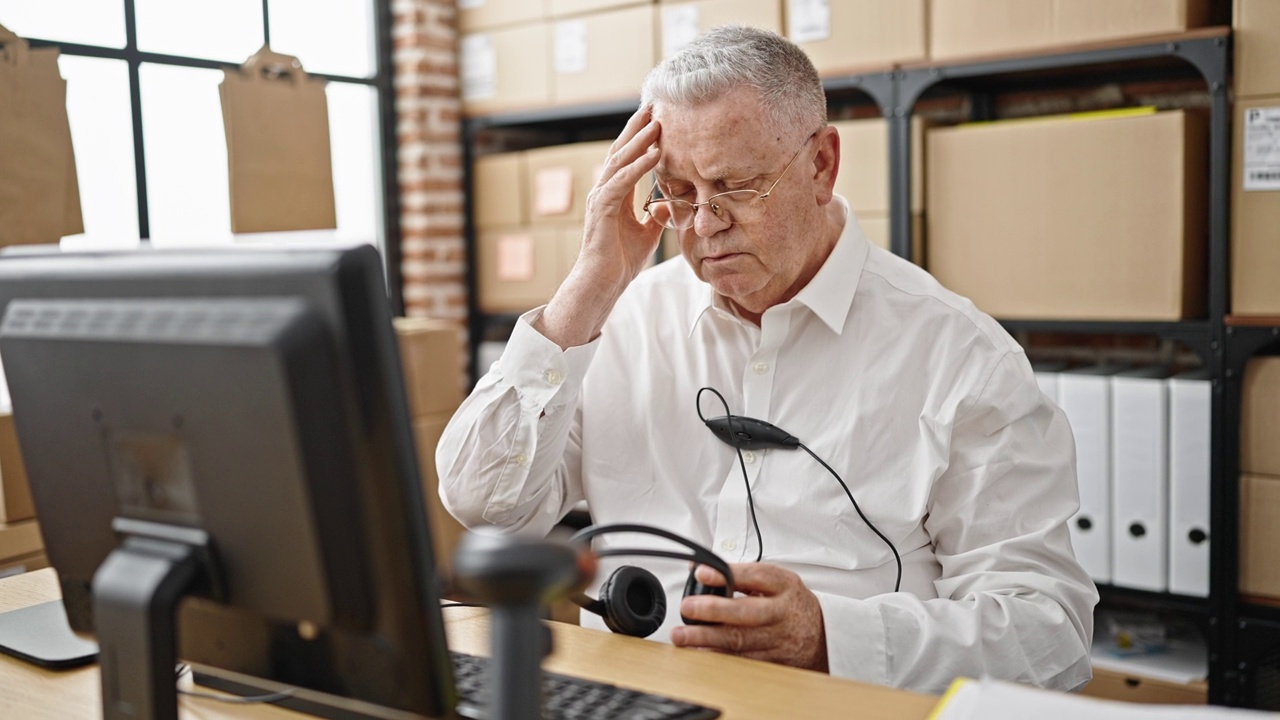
<point>615,244</point>
<point>779,620</point>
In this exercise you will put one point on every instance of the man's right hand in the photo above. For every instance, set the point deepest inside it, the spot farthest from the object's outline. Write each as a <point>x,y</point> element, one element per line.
<point>615,245</point>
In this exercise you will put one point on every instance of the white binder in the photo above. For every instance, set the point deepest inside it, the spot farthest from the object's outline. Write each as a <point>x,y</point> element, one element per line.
<point>1085,396</point>
<point>1190,397</point>
<point>1140,479</point>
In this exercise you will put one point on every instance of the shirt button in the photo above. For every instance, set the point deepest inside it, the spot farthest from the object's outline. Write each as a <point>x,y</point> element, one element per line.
<point>749,457</point>
<point>729,545</point>
<point>553,377</point>
<point>761,368</point>
<point>522,459</point>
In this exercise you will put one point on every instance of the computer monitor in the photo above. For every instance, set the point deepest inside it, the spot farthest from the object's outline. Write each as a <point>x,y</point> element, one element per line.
<point>225,432</point>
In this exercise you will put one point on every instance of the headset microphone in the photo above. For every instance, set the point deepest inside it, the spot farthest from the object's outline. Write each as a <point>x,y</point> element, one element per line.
<point>748,433</point>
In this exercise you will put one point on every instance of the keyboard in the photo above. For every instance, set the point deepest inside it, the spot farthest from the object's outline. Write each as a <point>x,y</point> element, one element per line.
<point>570,698</point>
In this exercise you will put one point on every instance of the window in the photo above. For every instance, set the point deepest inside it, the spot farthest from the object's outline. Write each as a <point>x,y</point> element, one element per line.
<point>146,120</point>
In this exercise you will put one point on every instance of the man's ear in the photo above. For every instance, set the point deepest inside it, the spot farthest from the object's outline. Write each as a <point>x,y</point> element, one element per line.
<point>826,163</point>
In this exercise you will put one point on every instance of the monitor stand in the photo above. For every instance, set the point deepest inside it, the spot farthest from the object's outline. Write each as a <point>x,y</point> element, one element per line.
<point>40,634</point>
<point>135,600</point>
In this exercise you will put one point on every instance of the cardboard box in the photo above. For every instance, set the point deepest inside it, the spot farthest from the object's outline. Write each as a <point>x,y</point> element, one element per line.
<point>499,186</point>
<point>1126,687</point>
<point>476,15</point>
<point>520,268</point>
<point>558,179</point>
<point>961,28</point>
<point>1260,417</point>
<point>681,22</point>
<point>856,35</point>
<point>1259,535</point>
<point>15,492</point>
<point>1099,217</point>
<point>445,530</point>
<point>603,56</point>
<point>863,179</point>
<point>20,540</point>
<point>1256,41</point>
<point>505,70</point>
<point>876,228</point>
<point>430,356</point>
<point>565,8</point>
<point>1255,206</point>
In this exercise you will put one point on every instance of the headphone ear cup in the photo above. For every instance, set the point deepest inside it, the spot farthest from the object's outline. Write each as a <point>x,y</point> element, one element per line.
<point>634,602</point>
<point>693,587</point>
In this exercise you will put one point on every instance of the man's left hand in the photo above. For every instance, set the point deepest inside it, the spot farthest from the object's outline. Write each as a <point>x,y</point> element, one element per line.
<point>779,620</point>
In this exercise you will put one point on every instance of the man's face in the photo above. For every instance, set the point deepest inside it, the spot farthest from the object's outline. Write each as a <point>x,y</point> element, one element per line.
<point>727,145</point>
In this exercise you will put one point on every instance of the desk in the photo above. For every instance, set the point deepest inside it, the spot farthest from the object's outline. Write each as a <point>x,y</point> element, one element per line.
<point>742,689</point>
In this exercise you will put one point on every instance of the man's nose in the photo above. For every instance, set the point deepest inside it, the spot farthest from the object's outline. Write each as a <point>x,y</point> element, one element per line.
<point>706,223</point>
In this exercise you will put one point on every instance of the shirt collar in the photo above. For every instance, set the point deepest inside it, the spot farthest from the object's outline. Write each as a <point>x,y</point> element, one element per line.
<point>829,295</point>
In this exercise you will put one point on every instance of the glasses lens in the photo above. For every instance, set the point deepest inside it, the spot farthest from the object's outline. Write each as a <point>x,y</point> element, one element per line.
<point>665,212</point>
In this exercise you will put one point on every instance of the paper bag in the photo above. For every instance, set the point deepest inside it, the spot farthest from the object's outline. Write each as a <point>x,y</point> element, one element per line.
<point>39,192</point>
<point>278,157</point>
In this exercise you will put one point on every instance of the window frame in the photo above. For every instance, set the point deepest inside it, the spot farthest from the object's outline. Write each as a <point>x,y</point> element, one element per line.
<point>382,80</point>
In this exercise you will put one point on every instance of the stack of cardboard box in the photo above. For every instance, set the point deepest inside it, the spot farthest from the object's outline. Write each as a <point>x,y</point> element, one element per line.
<point>429,357</point>
<point>528,213</point>
<point>863,178</point>
<point>1255,170</point>
<point>21,547</point>
<point>1260,482</point>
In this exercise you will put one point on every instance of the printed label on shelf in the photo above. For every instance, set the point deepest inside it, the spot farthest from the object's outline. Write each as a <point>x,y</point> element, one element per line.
<point>470,4</point>
<point>515,258</point>
<point>552,191</point>
<point>808,20</point>
<point>479,67</point>
<point>1262,148</point>
<point>571,47</point>
<point>679,27</point>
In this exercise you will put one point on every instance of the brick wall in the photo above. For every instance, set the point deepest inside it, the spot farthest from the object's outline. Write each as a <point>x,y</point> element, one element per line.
<point>428,125</point>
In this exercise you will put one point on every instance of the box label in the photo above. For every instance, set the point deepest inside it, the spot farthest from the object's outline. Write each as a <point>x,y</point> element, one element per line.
<point>679,27</point>
<point>479,67</point>
<point>552,191</point>
<point>515,258</point>
<point>1262,148</point>
<point>808,20</point>
<point>571,47</point>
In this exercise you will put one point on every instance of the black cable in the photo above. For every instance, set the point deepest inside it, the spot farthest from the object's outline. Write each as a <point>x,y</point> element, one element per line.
<point>462,604</point>
<point>751,503</point>
<point>897,584</point>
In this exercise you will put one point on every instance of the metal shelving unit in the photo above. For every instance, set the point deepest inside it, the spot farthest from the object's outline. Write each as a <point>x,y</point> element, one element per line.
<point>1243,639</point>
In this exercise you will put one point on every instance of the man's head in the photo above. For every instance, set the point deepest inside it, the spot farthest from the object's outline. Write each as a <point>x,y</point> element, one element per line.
<point>741,109</point>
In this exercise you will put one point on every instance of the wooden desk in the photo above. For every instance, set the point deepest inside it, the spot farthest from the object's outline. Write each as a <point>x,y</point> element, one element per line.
<point>741,689</point>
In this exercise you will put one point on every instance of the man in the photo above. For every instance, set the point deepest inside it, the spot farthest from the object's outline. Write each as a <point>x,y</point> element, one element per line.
<point>923,405</point>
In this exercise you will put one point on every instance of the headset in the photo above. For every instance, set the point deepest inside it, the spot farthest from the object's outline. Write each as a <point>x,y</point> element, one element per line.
<point>748,433</point>
<point>632,601</point>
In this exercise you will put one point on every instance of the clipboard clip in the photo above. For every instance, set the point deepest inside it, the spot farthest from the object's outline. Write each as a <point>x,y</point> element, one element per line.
<point>13,49</point>
<point>272,65</point>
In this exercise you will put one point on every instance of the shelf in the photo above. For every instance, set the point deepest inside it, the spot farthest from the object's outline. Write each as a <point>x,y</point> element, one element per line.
<point>1114,595</point>
<point>1189,330</point>
<point>1162,56</point>
<point>593,113</point>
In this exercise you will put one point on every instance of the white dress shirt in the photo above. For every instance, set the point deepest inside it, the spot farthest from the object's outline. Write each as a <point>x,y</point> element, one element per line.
<point>926,407</point>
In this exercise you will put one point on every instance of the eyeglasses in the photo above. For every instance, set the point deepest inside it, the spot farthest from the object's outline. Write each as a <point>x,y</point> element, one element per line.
<point>740,206</point>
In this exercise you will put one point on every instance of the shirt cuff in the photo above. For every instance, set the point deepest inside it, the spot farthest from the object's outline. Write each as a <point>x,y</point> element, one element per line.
<point>856,647</point>
<point>543,374</point>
